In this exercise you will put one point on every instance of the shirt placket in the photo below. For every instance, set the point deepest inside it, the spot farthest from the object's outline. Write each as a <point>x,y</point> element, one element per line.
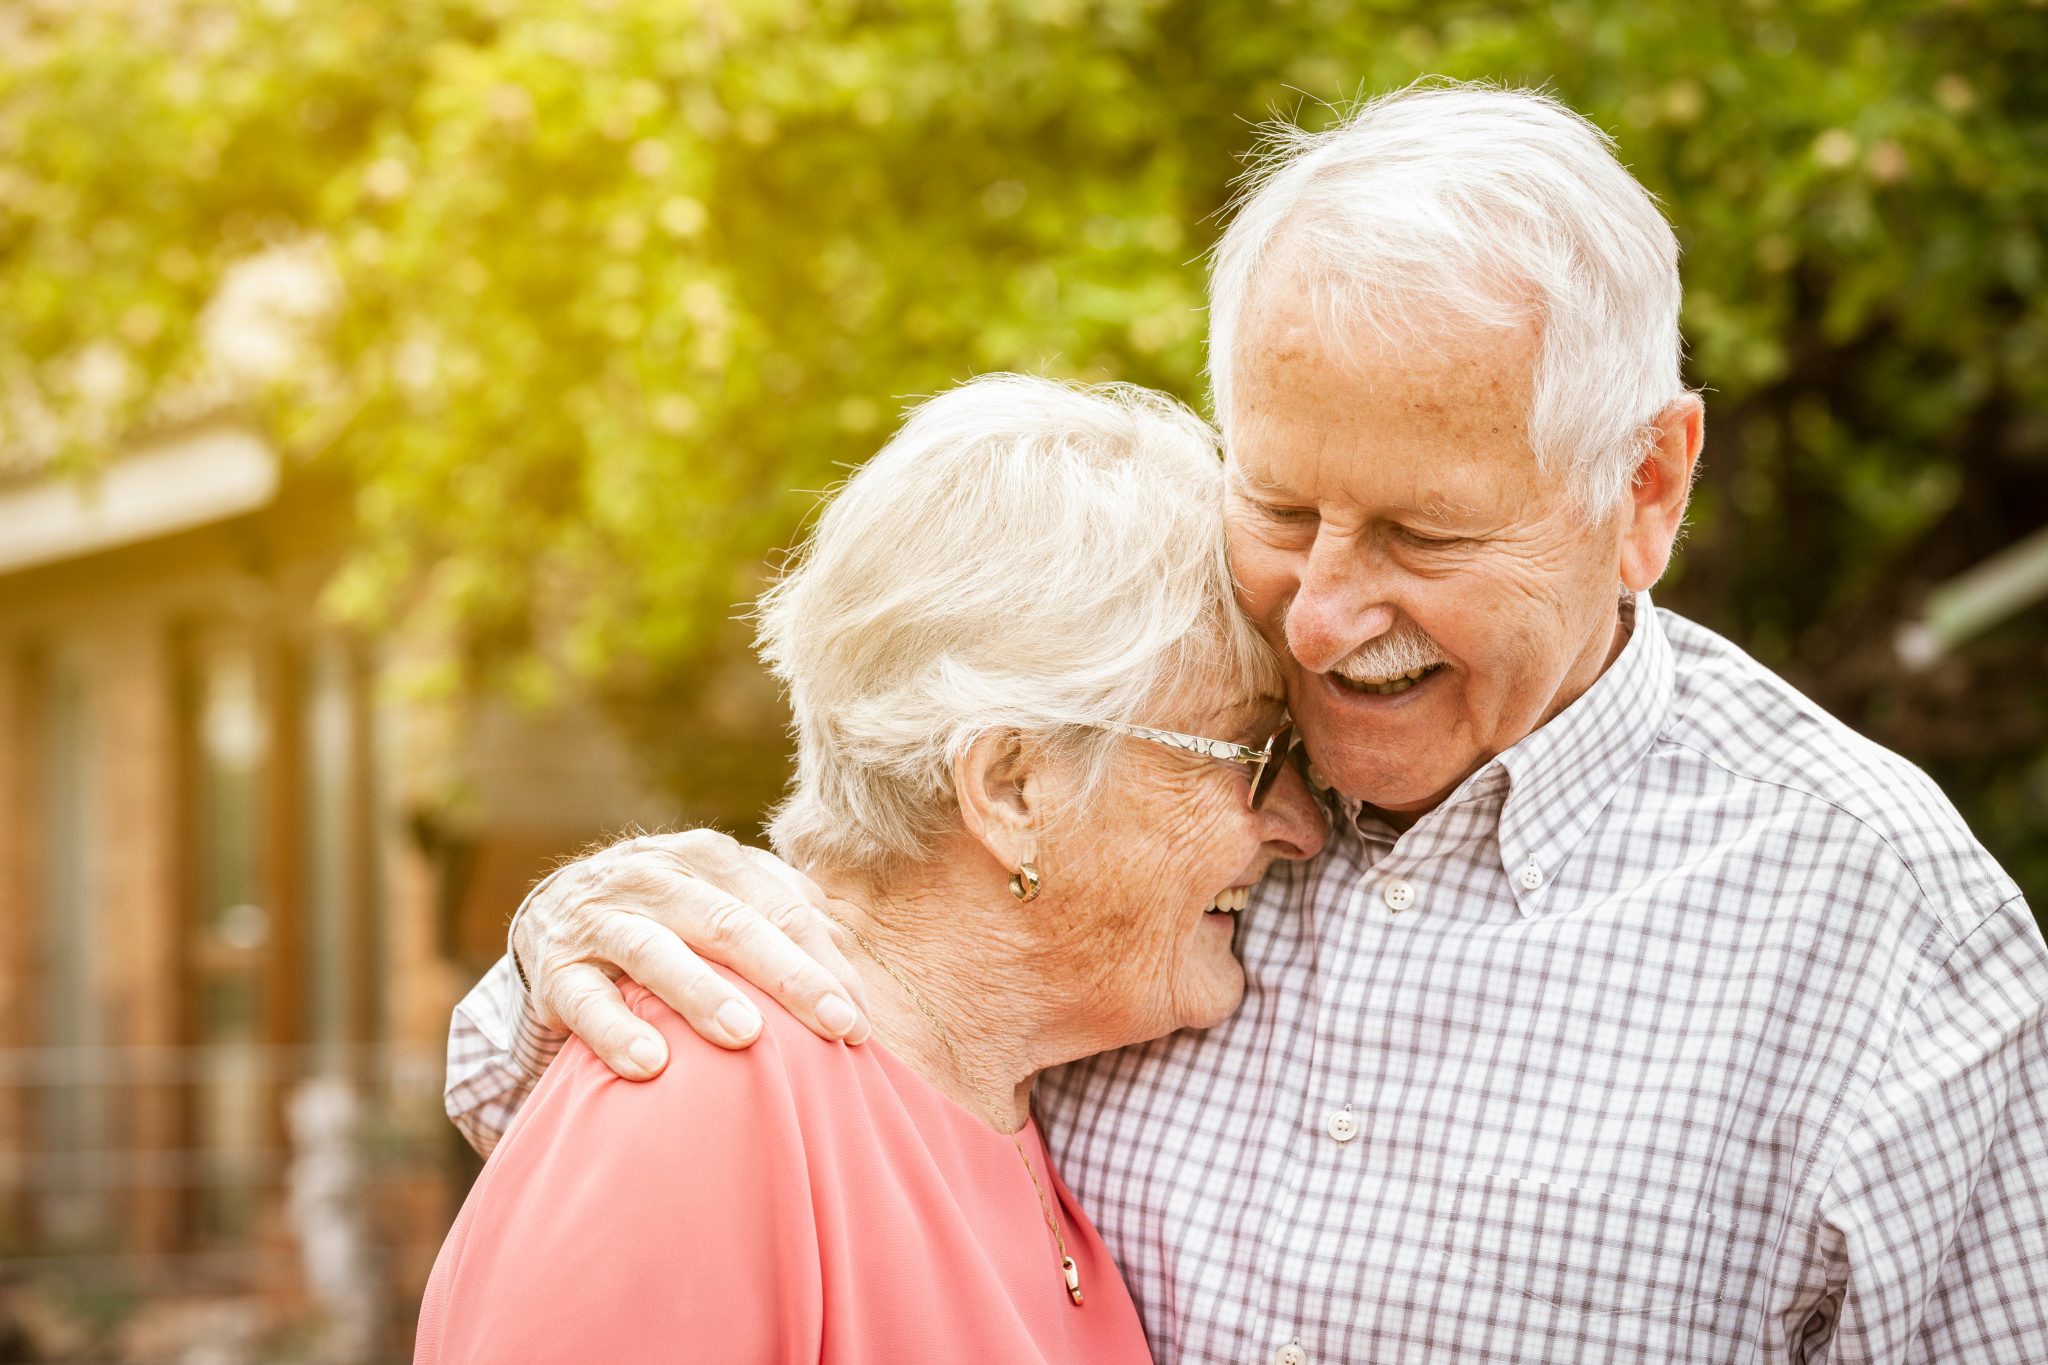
<point>1328,1118</point>
<point>1395,884</point>
<point>1233,1324</point>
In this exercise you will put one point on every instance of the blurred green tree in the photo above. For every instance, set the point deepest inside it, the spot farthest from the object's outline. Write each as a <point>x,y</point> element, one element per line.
<point>586,299</point>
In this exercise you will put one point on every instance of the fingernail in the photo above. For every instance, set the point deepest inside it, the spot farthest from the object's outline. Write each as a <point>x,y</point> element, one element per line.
<point>835,1012</point>
<point>740,1020</point>
<point>646,1054</point>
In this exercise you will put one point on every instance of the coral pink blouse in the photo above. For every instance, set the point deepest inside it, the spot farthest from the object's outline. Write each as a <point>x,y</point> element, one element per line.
<point>798,1201</point>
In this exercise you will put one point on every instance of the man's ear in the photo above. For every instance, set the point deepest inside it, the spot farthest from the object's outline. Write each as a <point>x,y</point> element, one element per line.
<point>1653,508</point>
<point>997,787</point>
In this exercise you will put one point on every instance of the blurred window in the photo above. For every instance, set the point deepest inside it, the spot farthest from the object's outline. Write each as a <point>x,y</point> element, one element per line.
<point>335,936</point>
<point>231,947</point>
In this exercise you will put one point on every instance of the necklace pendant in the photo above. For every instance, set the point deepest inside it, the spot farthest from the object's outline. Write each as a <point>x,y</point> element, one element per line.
<point>1073,1275</point>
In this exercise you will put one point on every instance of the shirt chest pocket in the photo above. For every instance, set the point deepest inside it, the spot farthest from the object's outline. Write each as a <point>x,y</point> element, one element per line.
<point>1587,1271</point>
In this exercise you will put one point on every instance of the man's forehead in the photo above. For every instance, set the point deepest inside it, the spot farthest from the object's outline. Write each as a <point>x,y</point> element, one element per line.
<point>1355,480</point>
<point>1441,421</point>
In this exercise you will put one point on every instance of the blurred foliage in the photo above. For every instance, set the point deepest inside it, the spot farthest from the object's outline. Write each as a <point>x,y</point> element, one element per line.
<point>599,289</point>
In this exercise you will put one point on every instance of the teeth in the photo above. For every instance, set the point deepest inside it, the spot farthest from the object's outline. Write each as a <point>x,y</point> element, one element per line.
<point>1399,682</point>
<point>1232,900</point>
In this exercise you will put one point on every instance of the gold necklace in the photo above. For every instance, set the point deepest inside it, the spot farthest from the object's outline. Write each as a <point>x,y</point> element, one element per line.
<point>1068,1270</point>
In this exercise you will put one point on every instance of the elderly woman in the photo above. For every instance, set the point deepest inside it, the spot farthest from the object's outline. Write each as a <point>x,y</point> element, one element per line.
<point>1040,758</point>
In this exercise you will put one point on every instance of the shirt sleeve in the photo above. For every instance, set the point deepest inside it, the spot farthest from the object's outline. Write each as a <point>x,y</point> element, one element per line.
<point>1935,1204</point>
<point>497,1050</point>
<point>638,1221</point>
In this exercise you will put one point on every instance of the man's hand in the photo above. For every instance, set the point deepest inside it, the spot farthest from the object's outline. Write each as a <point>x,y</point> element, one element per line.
<point>641,907</point>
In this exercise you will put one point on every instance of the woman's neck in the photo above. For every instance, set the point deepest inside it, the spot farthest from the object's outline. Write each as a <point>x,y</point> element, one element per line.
<point>955,990</point>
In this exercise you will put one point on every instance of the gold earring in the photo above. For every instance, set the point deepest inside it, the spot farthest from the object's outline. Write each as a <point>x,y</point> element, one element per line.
<point>1024,886</point>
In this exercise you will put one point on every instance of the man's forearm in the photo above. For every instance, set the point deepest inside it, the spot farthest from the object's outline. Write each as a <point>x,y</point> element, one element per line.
<point>496,1053</point>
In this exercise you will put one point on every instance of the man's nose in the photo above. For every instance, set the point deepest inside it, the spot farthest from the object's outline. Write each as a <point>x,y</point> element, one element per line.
<point>1339,604</point>
<point>1294,824</point>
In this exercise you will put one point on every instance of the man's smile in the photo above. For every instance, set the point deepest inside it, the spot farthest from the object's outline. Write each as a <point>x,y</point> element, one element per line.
<point>1389,686</point>
<point>1340,696</point>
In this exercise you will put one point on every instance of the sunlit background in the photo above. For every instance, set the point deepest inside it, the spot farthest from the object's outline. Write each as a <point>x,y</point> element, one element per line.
<point>397,402</point>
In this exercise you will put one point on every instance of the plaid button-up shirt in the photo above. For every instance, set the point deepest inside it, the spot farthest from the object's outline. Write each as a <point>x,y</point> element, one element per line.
<point>1693,1027</point>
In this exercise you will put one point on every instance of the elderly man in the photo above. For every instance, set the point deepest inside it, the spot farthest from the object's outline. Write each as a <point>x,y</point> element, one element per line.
<point>1636,1009</point>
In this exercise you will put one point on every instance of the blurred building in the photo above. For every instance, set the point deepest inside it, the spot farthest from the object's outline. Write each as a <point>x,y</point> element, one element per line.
<point>242,880</point>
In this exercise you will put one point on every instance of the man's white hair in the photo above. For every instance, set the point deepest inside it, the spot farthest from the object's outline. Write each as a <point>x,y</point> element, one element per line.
<point>1459,205</point>
<point>1024,556</point>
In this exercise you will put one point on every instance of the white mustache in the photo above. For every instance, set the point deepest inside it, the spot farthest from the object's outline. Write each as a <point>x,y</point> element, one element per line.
<point>1388,656</point>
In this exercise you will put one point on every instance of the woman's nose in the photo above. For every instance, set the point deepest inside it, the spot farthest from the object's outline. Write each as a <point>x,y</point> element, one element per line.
<point>1294,824</point>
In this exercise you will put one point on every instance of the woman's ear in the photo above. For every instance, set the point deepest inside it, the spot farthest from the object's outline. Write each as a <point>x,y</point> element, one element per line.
<point>997,785</point>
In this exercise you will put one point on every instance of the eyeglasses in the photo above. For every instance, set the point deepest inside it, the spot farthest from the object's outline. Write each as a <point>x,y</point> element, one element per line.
<point>1265,772</point>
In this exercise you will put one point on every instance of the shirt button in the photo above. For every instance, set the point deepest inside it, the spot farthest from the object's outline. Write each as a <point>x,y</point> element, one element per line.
<point>1344,1124</point>
<point>1531,877</point>
<point>1290,1354</point>
<point>1398,895</point>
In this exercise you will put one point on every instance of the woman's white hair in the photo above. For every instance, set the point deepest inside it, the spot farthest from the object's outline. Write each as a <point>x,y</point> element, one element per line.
<point>1471,205</point>
<point>1024,556</point>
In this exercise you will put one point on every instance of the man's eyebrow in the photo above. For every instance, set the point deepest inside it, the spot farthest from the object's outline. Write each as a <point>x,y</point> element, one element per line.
<point>1253,483</point>
<point>1443,507</point>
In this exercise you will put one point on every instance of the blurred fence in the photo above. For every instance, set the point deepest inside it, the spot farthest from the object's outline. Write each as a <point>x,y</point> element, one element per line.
<point>221,1204</point>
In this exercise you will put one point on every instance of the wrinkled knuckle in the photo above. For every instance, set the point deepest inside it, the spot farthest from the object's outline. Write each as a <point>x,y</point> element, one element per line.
<point>633,939</point>
<point>574,999</point>
<point>785,915</point>
<point>728,923</point>
<point>807,926</point>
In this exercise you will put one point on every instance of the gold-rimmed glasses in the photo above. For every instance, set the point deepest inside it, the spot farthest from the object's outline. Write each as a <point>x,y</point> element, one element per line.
<point>1261,760</point>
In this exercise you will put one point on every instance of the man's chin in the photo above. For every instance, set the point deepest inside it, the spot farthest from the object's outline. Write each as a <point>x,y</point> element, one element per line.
<point>1406,780</point>
<point>1211,985</point>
